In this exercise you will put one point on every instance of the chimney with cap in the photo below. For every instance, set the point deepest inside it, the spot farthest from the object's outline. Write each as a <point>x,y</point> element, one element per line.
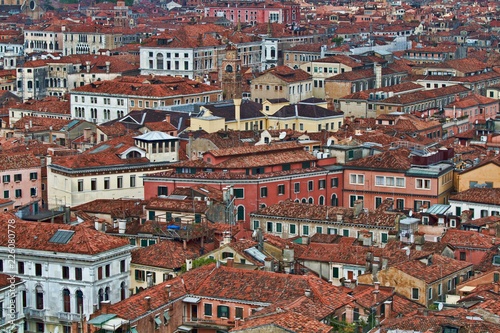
<point>148,302</point>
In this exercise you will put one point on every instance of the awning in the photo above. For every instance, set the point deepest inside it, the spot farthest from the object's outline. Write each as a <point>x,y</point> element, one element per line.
<point>166,316</point>
<point>193,300</point>
<point>157,321</point>
<point>99,320</point>
<point>183,328</point>
<point>113,324</point>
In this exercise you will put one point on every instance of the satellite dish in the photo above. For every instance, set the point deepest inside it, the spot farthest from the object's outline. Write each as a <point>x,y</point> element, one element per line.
<point>440,306</point>
<point>329,142</point>
<point>410,213</point>
<point>282,135</point>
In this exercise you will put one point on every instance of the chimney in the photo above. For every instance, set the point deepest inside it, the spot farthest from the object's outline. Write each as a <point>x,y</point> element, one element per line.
<point>122,225</point>
<point>388,309</point>
<point>148,302</point>
<point>307,292</point>
<point>105,307</point>
<point>149,279</point>
<point>167,118</point>
<point>184,244</point>
<point>358,207</point>
<point>378,75</point>
<point>237,111</point>
<point>87,64</point>
<point>376,291</point>
<point>108,63</point>
<point>168,288</point>
<point>268,264</point>
<point>229,262</point>
<point>87,132</point>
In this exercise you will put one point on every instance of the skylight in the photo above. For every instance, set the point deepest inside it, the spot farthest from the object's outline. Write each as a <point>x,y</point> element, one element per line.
<point>62,236</point>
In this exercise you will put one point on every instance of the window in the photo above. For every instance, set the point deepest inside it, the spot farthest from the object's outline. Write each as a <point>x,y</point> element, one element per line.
<point>123,266</point>
<point>345,232</point>
<point>357,179</point>
<point>440,289</point>
<point>66,301</point>
<point>281,189</point>
<point>107,270</point>
<point>269,227</point>
<point>296,187</point>
<point>65,272</point>
<point>38,269</point>
<point>384,237</point>
<point>18,177</point>
<point>162,190</point>
<point>6,194</point>
<point>378,201</point>
<point>321,184</point>
<point>80,185</point>
<point>208,309</point>
<point>157,322</point>
<point>39,298</point>
<point>414,293</point>
<point>423,184</point>
<point>238,312</point>
<point>305,230</point>
<point>319,230</point>
<point>310,185</point>
<point>293,229</point>
<point>78,273</point>
<point>429,293</point>
<point>33,175</point>
<point>106,183</point>
<point>222,311</point>
<point>279,227</point>
<point>6,178</point>
<point>263,192</point>
<point>256,224</point>
<point>463,255</point>
<point>132,181</point>
<point>354,198</point>
<point>139,275</point>
<point>119,182</point>
<point>99,273</point>
<point>18,193</point>
<point>335,272</point>
<point>331,231</point>
<point>239,193</point>
<point>334,182</point>
<point>93,184</point>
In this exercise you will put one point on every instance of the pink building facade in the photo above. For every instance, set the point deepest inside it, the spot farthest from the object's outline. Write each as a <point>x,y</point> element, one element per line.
<point>261,13</point>
<point>21,178</point>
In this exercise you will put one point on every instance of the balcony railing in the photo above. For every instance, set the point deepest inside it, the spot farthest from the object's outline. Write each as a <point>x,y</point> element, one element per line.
<point>34,313</point>
<point>207,323</point>
<point>68,316</point>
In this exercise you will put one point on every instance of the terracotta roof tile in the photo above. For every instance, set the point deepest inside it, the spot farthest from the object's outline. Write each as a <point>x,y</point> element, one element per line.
<point>37,235</point>
<point>489,196</point>
<point>469,239</point>
<point>17,161</point>
<point>165,254</point>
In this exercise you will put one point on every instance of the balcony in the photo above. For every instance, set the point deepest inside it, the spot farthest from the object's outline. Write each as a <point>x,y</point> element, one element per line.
<point>34,313</point>
<point>215,323</point>
<point>69,317</point>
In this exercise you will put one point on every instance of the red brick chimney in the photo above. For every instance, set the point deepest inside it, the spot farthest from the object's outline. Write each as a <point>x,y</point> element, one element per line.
<point>105,307</point>
<point>388,309</point>
<point>229,262</point>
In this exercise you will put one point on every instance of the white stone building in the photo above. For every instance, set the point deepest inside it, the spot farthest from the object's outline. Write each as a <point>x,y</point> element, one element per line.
<point>110,170</point>
<point>68,271</point>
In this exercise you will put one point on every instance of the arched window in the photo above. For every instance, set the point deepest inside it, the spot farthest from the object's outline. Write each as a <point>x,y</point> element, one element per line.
<point>159,61</point>
<point>304,200</point>
<point>321,200</point>
<point>241,213</point>
<point>66,301</point>
<point>39,297</point>
<point>273,52</point>
<point>335,201</point>
<point>79,301</point>
<point>311,201</point>
<point>123,291</point>
<point>107,291</point>
<point>100,296</point>
<point>229,69</point>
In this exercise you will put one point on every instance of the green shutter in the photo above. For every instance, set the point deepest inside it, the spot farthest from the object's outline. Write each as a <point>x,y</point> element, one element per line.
<point>384,238</point>
<point>169,216</point>
<point>335,272</point>
<point>197,218</point>
<point>144,242</point>
<point>151,215</point>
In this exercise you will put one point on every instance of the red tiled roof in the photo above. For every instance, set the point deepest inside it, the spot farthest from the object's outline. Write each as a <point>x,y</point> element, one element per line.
<point>469,239</point>
<point>165,254</point>
<point>489,196</point>
<point>36,236</point>
<point>16,161</point>
<point>438,268</point>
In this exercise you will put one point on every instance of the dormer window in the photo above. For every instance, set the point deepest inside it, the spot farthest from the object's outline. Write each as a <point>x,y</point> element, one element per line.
<point>133,154</point>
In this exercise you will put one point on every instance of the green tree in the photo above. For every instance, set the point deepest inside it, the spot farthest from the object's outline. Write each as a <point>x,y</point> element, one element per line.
<point>338,40</point>
<point>198,263</point>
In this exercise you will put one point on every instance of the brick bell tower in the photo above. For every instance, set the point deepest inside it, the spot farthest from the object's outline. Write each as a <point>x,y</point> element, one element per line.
<point>231,74</point>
